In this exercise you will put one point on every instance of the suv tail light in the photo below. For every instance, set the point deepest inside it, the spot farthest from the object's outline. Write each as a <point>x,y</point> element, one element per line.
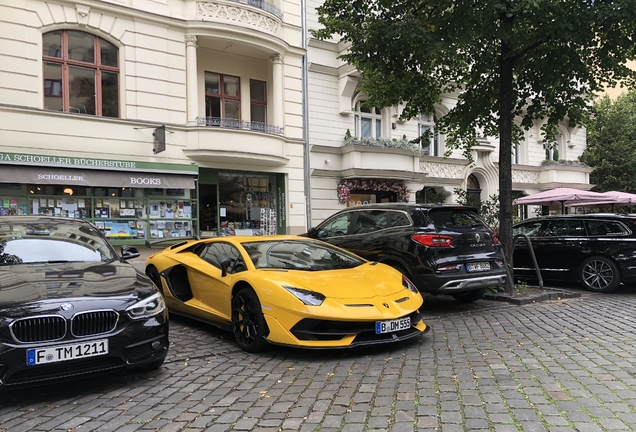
<point>495,238</point>
<point>433,240</point>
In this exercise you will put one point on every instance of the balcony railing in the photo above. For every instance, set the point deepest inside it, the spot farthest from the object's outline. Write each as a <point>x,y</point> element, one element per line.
<point>240,124</point>
<point>267,7</point>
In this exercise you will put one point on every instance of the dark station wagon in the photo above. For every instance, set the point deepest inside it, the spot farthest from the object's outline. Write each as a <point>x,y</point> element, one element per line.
<point>442,249</point>
<point>596,250</point>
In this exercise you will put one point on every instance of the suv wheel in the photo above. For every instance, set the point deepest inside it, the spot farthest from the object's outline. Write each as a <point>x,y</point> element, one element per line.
<point>599,274</point>
<point>470,296</point>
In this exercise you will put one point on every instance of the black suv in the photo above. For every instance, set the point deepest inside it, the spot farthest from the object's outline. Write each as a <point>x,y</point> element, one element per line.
<point>443,249</point>
<point>597,250</point>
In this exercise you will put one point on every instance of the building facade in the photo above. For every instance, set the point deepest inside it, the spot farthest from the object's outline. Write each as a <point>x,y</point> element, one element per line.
<point>361,154</point>
<point>153,119</point>
<point>173,118</point>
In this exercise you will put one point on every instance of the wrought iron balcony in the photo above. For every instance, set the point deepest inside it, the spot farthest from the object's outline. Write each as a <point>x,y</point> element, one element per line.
<point>267,7</point>
<point>239,124</point>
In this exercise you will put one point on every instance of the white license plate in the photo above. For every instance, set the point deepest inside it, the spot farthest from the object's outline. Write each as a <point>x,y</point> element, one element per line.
<point>477,267</point>
<point>392,326</point>
<point>36,356</point>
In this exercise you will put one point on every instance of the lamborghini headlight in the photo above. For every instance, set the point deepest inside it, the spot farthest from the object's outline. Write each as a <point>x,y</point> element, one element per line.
<point>149,307</point>
<point>408,285</point>
<point>310,298</point>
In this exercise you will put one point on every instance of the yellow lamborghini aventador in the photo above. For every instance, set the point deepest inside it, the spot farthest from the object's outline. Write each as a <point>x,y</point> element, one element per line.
<point>287,290</point>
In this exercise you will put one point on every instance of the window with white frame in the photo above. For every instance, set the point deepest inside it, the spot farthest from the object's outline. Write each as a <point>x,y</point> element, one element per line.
<point>516,153</point>
<point>555,150</point>
<point>429,138</point>
<point>368,121</point>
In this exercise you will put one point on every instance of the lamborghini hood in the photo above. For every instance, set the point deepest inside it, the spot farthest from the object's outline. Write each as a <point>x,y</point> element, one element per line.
<point>365,281</point>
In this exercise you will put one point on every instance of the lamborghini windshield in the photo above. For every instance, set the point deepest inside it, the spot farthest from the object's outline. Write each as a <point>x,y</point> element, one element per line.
<point>299,255</point>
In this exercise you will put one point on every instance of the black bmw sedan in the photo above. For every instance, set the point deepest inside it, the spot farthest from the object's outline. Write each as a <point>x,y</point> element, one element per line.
<point>70,306</point>
<point>596,250</point>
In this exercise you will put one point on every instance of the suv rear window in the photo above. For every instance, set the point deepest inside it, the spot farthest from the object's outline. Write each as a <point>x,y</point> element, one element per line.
<point>450,218</point>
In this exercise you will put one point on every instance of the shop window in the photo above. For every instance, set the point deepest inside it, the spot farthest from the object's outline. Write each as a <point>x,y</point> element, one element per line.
<point>429,195</point>
<point>258,101</point>
<point>119,213</point>
<point>247,204</point>
<point>368,121</point>
<point>81,73</point>
<point>222,97</point>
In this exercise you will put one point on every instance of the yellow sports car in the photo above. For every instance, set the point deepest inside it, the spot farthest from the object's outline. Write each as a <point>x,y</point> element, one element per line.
<point>287,290</point>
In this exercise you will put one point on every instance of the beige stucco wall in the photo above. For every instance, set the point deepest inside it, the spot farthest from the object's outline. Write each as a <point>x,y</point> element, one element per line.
<point>153,83</point>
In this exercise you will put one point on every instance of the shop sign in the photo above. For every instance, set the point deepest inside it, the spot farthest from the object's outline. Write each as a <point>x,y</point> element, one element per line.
<point>80,162</point>
<point>355,200</point>
<point>78,177</point>
<point>72,161</point>
<point>282,207</point>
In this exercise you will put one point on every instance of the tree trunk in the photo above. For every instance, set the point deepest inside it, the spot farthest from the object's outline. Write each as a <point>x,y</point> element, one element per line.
<point>506,67</point>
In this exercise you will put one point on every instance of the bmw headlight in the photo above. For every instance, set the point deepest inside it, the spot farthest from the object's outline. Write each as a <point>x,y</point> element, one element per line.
<point>149,307</point>
<point>408,285</point>
<point>310,298</point>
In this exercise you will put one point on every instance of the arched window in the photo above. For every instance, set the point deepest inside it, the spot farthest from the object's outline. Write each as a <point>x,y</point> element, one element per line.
<point>368,121</point>
<point>81,73</point>
<point>429,137</point>
<point>473,189</point>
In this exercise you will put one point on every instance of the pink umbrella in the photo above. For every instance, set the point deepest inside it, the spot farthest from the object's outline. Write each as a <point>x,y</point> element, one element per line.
<point>563,196</point>
<point>609,198</point>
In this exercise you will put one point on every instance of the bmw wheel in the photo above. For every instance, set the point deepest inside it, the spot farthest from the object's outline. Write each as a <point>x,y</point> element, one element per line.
<point>600,275</point>
<point>248,323</point>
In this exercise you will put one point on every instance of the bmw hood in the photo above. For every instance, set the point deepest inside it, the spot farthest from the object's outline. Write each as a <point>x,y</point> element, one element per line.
<point>44,286</point>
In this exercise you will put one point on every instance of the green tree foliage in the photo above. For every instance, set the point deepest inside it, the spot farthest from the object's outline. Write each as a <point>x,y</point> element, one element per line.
<point>509,63</point>
<point>488,209</point>
<point>611,143</point>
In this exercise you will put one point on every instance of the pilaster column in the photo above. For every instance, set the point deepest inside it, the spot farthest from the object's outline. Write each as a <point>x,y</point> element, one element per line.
<point>278,92</point>
<point>192,91</point>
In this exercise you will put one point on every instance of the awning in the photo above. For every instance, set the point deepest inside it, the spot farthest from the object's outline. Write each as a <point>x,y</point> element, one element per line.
<point>81,177</point>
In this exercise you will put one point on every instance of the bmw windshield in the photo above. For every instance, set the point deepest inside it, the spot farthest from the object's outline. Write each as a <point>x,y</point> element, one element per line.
<point>51,241</point>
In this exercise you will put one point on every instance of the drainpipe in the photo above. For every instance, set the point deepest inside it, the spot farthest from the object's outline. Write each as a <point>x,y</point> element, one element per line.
<point>306,166</point>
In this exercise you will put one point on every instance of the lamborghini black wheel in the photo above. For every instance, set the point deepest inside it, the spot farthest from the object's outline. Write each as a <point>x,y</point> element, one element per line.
<point>248,323</point>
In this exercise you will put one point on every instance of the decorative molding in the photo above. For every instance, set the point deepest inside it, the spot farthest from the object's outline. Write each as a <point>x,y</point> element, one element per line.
<point>82,14</point>
<point>190,40</point>
<point>525,176</point>
<point>236,14</point>
<point>442,170</point>
<point>276,58</point>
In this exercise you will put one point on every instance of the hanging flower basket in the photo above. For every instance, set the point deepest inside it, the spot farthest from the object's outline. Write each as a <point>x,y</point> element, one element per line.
<point>346,186</point>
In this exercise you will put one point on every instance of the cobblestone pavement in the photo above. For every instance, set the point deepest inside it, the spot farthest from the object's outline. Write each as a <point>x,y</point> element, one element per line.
<point>555,366</point>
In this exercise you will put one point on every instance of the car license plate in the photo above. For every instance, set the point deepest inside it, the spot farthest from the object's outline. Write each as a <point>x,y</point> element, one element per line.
<point>36,356</point>
<point>392,326</point>
<point>477,267</point>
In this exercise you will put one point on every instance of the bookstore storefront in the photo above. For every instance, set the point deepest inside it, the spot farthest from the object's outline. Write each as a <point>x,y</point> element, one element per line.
<point>129,201</point>
<point>241,203</point>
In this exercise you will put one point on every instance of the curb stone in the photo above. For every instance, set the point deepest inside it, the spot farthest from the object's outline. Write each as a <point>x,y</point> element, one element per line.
<point>548,294</point>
